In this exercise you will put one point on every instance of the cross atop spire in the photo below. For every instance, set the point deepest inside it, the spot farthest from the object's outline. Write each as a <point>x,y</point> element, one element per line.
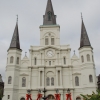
<point>84,41</point>
<point>81,16</point>
<point>49,17</point>
<point>15,43</point>
<point>17,18</point>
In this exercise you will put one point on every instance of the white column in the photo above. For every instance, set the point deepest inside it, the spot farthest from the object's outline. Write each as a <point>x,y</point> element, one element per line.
<point>71,83</point>
<point>39,79</point>
<point>57,78</point>
<point>57,58</point>
<point>60,58</point>
<point>29,82</point>
<point>41,58</point>
<point>61,96</point>
<point>50,39</point>
<point>30,58</point>
<point>61,78</point>
<point>43,78</point>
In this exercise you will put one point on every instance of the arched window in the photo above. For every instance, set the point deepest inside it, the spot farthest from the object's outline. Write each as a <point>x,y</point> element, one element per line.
<point>22,99</point>
<point>82,59</point>
<point>8,96</point>
<point>52,81</point>
<point>48,81</point>
<point>9,80</point>
<point>64,61</point>
<point>90,78</point>
<point>49,16</point>
<point>78,98</point>
<point>46,41</point>
<point>49,62</point>
<point>17,60</point>
<point>23,82</point>
<point>35,61</point>
<point>11,59</point>
<point>52,41</point>
<point>76,81</point>
<point>88,57</point>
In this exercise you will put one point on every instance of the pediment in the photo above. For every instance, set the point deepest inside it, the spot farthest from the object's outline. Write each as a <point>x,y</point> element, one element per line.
<point>24,74</point>
<point>50,47</point>
<point>76,73</point>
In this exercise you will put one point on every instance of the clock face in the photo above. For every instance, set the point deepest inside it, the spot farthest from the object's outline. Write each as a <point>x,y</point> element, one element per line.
<point>49,53</point>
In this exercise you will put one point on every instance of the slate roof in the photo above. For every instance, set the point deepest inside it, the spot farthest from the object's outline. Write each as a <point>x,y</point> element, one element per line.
<point>84,41</point>
<point>49,17</point>
<point>15,43</point>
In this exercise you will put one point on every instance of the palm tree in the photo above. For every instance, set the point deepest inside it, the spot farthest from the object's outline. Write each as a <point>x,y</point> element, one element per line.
<point>94,96</point>
<point>1,91</point>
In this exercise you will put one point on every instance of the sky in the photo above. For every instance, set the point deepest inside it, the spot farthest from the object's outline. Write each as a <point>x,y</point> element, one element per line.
<point>30,17</point>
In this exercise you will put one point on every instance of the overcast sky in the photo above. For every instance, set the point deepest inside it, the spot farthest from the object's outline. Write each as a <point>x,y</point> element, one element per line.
<point>31,13</point>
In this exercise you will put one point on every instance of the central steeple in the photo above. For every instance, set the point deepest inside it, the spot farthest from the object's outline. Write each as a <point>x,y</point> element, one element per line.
<point>49,17</point>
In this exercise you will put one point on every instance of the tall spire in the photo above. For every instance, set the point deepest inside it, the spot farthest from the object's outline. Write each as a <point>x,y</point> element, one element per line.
<point>84,41</point>
<point>49,17</point>
<point>15,43</point>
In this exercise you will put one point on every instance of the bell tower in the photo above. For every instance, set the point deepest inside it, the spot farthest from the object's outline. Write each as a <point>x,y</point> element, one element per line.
<point>87,59</point>
<point>49,31</point>
<point>13,66</point>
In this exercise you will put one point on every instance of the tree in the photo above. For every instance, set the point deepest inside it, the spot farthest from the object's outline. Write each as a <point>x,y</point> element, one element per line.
<point>94,96</point>
<point>1,91</point>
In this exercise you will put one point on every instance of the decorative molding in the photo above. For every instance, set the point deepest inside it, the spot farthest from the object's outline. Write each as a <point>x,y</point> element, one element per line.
<point>76,73</point>
<point>24,74</point>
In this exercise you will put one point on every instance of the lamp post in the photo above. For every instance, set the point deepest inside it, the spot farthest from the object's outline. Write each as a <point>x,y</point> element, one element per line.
<point>57,95</point>
<point>57,91</point>
<point>68,96</point>
<point>44,91</point>
<point>68,91</point>
<point>28,95</point>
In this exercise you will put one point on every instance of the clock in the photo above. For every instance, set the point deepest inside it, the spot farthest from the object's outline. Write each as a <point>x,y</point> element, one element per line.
<point>50,53</point>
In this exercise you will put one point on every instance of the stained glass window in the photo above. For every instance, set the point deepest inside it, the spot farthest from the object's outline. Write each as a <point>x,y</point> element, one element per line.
<point>11,59</point>
<point>88,57</point>
<point>52,81</point>
<point>90,78</point>
<point>9,80</point>
<point>48,81</point>
<point>17,60</point>
<point>52,41</point>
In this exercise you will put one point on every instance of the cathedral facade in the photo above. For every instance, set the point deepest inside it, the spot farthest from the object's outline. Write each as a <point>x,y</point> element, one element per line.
<point>50,65</point>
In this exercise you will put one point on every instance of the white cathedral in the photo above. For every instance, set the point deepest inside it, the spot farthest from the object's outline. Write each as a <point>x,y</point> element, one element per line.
<point>50,65</point>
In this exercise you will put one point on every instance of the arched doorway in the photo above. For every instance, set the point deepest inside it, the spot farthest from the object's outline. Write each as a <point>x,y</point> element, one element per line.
<point>51,97</point>
<point>78,98</point>
<point>22,99</point>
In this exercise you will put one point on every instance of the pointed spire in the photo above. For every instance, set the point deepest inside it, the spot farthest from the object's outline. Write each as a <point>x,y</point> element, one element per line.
<point>15,43</point>
<point>84,41</point>
<point>49,17</point>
